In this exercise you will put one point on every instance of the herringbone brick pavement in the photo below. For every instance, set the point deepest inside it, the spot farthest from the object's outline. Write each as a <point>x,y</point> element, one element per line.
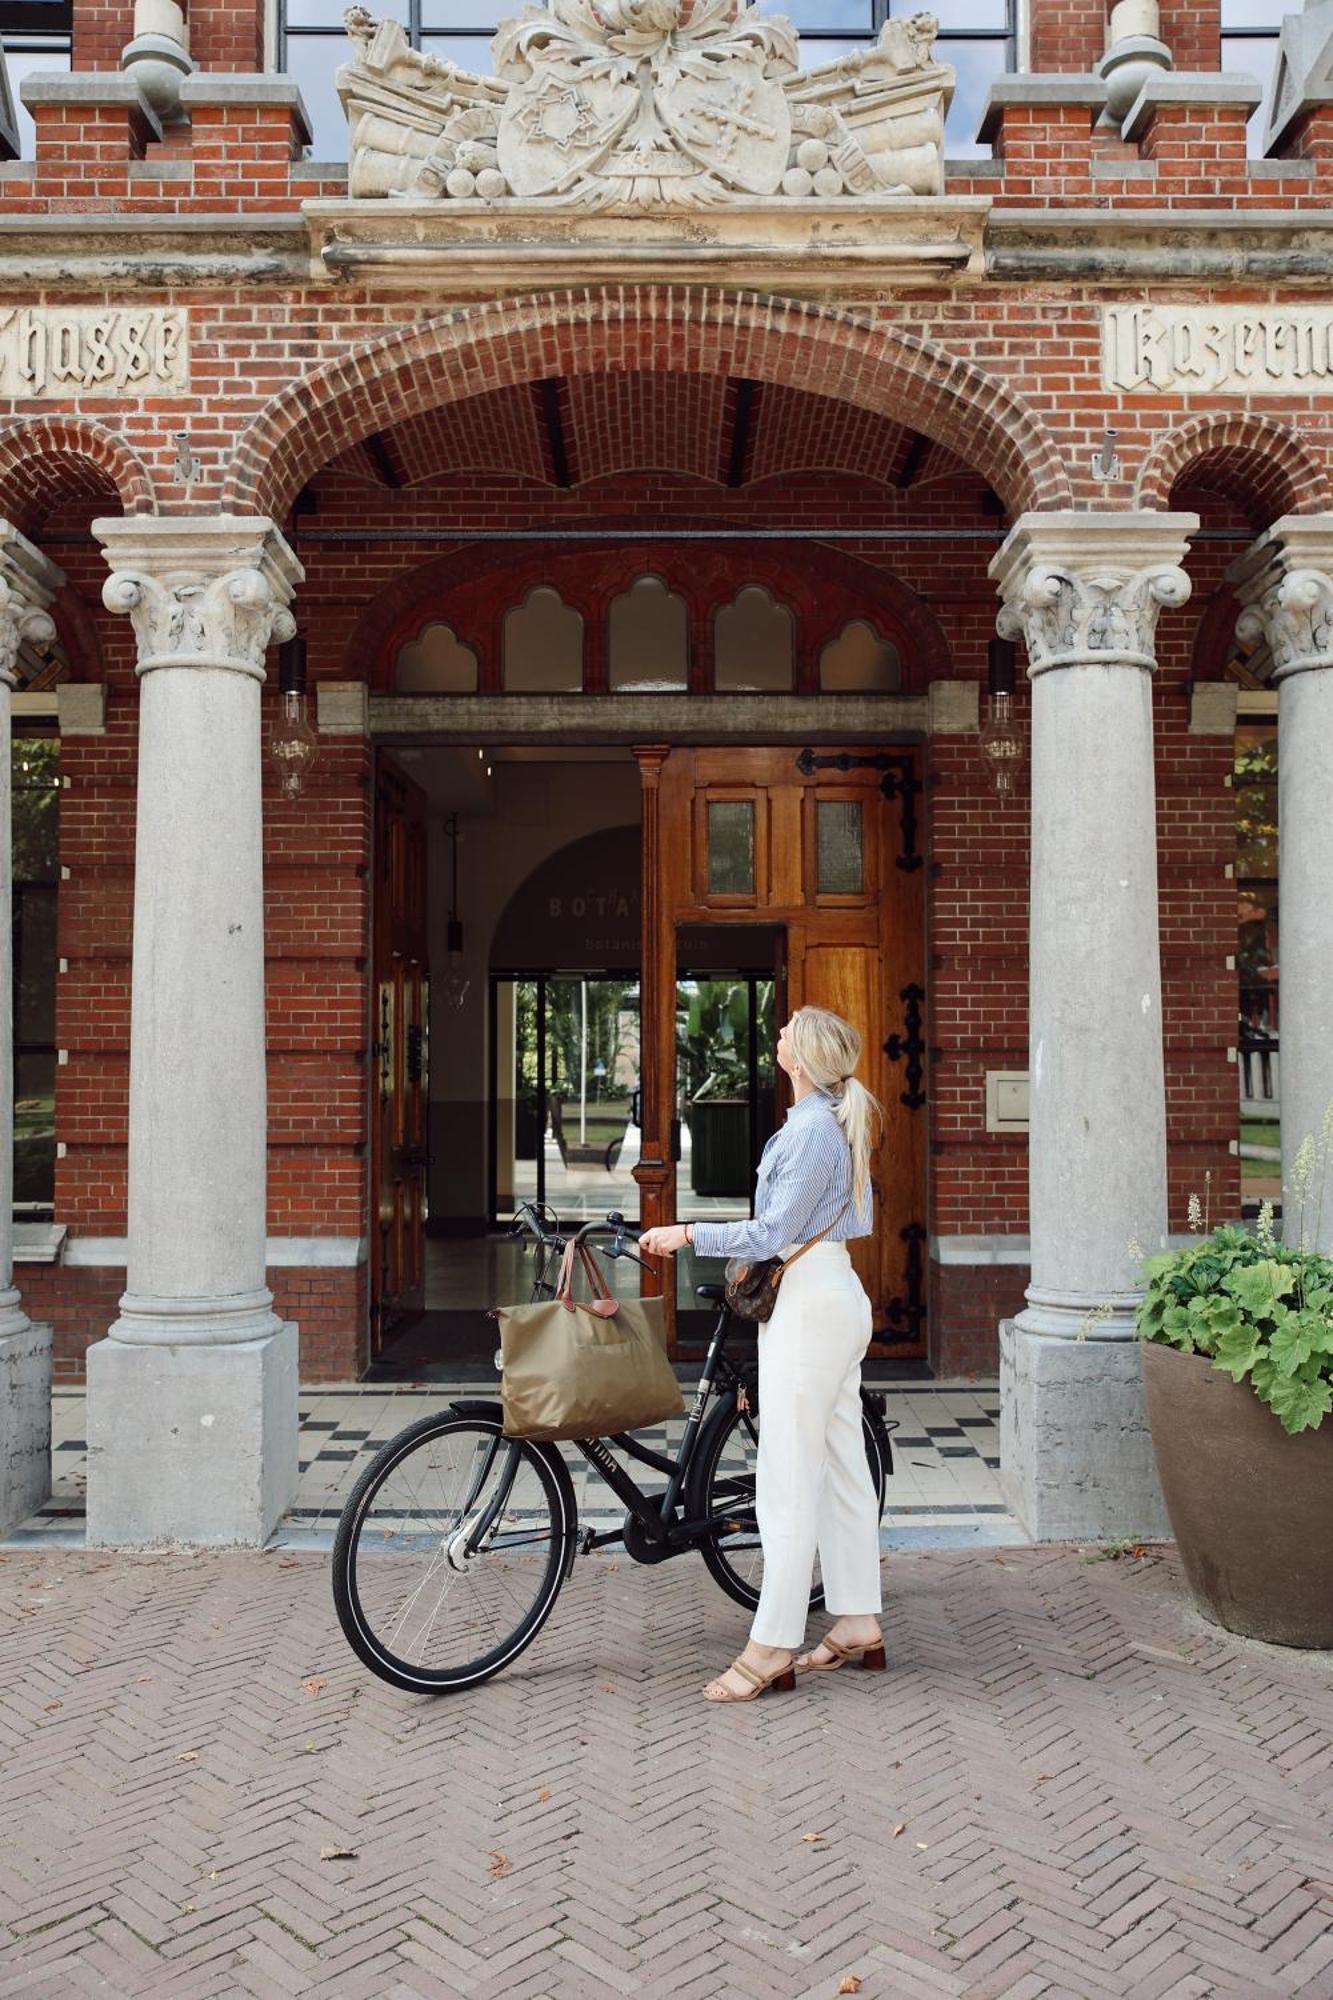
<point>1066,1785</point>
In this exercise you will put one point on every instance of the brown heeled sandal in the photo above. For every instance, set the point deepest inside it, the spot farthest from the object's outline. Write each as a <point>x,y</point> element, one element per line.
<point>870,1656</point>
<point>782,1681</point>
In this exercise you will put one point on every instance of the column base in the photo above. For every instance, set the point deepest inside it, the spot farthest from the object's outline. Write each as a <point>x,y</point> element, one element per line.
<point>25,1423</point>
<point>191,1444</point>
<point>1076,1458</point>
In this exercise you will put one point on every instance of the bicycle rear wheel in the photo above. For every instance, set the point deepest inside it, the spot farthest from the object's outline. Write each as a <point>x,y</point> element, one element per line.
<point>722,1483</point>
<point>451,1552</point>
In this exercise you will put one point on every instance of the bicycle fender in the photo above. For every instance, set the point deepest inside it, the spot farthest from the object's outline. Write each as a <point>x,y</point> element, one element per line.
<point>484,1406</point>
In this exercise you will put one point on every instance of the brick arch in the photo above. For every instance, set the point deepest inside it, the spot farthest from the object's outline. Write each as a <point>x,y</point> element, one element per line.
<point>472,588</point>
<point>1264,466</point>
<point>49,461</point>
<point>711,331</point>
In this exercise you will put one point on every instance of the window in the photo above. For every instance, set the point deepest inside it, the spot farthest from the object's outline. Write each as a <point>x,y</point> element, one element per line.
<point>543,645</point>
<point>754,644</point>
<point>859,661</point>
<point>35,774</point>
<point>649,640</point>
<point>1257,953</point>
<point>436,663</point>
<point>976,36</point>
<point>36,35</point>
<point>313,45</point>
<point>1249,48</point>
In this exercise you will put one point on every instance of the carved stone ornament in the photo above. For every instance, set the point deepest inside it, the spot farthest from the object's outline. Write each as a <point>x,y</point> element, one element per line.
<point>645,103</point>
<point>29,582</point>
<point>1294,618</point>
<point>199,594</point>
<point>1086,589</point>
<point>21,622</point>
<point>1104,618</point>
<point>1285,585</point>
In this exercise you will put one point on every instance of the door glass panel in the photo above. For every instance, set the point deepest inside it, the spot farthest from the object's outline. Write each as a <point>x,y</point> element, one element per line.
<point>841,860</point>
<point>569,1134</point>
<point>726,1073</point>
<point>730,847</point>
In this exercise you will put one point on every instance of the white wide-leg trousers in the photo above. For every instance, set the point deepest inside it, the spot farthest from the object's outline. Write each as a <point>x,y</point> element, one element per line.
<point>814,1494</point>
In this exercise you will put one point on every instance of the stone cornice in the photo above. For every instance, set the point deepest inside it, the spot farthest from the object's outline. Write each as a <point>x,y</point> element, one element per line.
<point>844,248</point>
<point>471,247</point>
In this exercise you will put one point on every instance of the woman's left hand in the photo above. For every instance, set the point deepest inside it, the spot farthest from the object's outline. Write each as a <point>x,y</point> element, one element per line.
<point>663,1242</point>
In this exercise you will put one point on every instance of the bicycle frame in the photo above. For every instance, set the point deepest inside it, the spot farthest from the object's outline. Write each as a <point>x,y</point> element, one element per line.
<point>653,1511</point>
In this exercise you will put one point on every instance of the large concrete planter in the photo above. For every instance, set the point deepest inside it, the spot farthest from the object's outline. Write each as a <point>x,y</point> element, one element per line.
<point>1251,1508</point>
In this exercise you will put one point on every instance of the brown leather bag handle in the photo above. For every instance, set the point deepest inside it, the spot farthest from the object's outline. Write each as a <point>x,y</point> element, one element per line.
<point>602,1302</point>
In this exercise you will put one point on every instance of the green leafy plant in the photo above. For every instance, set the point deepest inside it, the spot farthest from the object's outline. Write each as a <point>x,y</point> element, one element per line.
<point>1262,1311</point>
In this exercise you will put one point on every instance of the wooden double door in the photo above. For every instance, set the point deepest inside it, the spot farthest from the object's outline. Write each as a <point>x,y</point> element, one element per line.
<point>820,847</point>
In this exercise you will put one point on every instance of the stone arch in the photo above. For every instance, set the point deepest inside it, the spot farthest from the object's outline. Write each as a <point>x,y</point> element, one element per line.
<point>709,330</point>
<point>1264,466</point>
<point>47,461</point>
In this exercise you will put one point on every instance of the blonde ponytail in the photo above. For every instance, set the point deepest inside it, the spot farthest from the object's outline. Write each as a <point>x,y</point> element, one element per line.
<point>828,1050</point>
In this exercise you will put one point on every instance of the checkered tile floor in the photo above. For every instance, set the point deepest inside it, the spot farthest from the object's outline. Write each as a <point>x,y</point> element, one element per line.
<point>944,1491</point>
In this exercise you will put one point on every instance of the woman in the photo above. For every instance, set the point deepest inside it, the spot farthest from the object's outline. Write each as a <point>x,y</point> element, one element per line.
<point>814,1491</point>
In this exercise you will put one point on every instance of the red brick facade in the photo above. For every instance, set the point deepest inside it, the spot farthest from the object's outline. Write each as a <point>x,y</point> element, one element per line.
<point>288,381</point>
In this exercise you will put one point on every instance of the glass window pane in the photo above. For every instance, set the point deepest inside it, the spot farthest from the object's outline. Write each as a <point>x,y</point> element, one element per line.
<point>815,52</point>
<point>1255,13</point>
<point>470,52</point>
<point>649,637</point>
<point>436,663</point>
<point>841,863</point>
<point>34,963</point>
<point>35,781</point>
<point>543,645</point>
<point>977,64</point>
<point>807,14</point>
<point>1256,831</point>
<point>474,14</point>
<point>1256,56</point>
<point>730,847</point>
<point>328,14</point>
<point>754,644</point>
<point>35,1127</point>
<point>23,61</point>
<point>312,61</point>
<point>962,14</point>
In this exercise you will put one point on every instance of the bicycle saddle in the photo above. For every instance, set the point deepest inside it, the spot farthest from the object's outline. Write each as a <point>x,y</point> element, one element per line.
<point>714,1293</point>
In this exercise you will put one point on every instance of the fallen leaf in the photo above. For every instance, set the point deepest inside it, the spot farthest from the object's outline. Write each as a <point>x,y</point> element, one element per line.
<point>314,1685</point>
<point>900,1828</point>
<point>500,1863</point>
<point>187,1756</point>
<point>1044,1777</point>
<point>52,1706</point>
<point>812,1836</point>
<point>542,1797</point>
<point>923,1844</point>
<point>851,1984</point>
<point>339,1854</point>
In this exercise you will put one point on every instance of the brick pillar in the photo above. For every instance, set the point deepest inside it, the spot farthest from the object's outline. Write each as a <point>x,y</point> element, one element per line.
<point>1285,583</point>
<point>28,584</point>
<point>1083,592</point>
<point>192,1396</point>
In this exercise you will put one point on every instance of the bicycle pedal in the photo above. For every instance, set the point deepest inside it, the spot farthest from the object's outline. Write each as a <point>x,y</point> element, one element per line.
<point>586,1540</point>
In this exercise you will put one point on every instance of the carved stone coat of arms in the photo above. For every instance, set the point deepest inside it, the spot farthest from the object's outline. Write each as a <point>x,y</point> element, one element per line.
<point>645,103</point>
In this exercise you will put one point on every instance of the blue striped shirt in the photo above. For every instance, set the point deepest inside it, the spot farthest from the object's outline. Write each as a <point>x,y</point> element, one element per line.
<point>805,1177</point>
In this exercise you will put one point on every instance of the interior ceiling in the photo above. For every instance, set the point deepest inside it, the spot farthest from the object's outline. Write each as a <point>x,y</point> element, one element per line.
<point>456,779</point>
<point>565,432</point>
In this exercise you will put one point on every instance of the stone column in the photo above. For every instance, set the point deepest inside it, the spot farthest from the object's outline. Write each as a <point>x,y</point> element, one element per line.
<point>1083,592</point>
<point>192,1396</point>
<point>1285,584</point>
<point>28,584</point>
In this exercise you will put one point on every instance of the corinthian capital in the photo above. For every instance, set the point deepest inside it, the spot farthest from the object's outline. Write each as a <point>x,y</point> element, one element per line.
<point>210,591</point>
<point>1086,589</point>
<point>29,582</point>
<point>1285,584</point>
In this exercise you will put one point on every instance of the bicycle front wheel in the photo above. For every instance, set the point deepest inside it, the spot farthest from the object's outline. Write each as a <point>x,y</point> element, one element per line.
<point>723,1482</point>
<point>451,1552</point>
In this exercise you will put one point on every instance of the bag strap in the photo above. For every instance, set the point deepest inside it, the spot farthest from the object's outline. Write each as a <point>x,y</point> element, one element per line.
<point>564,1290</point>
<point>797,1255</point>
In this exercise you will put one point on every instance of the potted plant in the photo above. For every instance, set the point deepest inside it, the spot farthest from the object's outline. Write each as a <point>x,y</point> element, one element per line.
<point>1238,1373</point>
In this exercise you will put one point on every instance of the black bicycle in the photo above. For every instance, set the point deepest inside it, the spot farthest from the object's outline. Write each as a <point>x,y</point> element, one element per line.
<point>455,1540</point>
